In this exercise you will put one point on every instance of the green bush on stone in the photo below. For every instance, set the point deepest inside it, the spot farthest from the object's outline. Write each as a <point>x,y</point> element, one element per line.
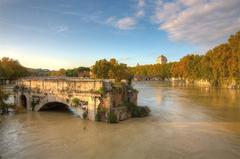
<point>112,118</point>
<point>138,111</point>
<point>98,117</point>
<point>85,115</point>
<point>101,91</point>
<point>75,102</point>
<point>100,112</point>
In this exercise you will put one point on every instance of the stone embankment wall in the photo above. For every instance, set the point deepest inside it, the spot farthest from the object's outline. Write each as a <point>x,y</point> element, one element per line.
<point>231,84</point>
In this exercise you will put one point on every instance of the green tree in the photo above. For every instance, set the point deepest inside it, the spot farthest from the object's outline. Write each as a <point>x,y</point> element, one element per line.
<point>110,70</point>
<point>71,73</point>
<point>101,69</point>
<point>3,105</point>
<point>12,69</point>
<point>61,72</point>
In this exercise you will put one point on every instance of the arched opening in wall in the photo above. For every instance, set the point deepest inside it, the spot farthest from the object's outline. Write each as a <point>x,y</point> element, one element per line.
<point>23,101</point>
<point>55,106</point>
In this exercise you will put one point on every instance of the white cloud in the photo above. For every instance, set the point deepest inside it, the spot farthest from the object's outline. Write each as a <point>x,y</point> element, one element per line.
<point>193,2</point>
<point>141,3</point>
<point>111,20</point>
<point>58,28</point>
<point>204,22</point>
<point>140,13</point>
<point>140,8</point>
<point>61,28</point>
<point>126,23</point>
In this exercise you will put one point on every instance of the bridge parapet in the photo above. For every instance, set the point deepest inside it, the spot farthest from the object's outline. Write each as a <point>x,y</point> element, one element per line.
<point>63,85</point>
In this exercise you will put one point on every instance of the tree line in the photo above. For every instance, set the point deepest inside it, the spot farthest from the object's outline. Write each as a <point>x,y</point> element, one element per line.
<point>75,72</point>
<point>160,71</point>
<point>220,65</point>
<point>11,69</point>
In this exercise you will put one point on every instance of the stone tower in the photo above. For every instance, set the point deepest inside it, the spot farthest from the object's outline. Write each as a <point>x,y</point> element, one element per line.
<point>162,59</point>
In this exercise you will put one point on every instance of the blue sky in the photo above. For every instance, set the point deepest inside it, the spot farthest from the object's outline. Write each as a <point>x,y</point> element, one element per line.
<point>70,33</point>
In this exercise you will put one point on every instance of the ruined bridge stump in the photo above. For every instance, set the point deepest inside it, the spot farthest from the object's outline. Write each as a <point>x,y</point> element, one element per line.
<point>38,93</point>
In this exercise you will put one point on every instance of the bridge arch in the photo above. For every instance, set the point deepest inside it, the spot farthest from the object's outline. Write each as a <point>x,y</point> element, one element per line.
<point>60,104</point>
<point>54,105</point>
<point>51,104</point>
<point>23,101</point>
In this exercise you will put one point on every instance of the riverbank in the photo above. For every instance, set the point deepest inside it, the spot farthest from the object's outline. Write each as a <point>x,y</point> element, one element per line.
<point>232,84</point>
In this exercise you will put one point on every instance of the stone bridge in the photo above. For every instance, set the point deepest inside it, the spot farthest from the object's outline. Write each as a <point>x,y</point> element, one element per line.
<point>80,95</point>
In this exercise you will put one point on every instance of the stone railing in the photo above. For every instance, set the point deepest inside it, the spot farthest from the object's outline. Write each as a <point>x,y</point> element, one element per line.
<point>64,85</point>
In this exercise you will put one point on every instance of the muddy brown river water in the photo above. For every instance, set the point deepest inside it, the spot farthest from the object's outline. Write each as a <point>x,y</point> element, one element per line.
<point>185,123</point>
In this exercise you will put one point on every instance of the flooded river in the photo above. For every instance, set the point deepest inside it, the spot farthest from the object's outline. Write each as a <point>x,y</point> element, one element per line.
<point>185,123</point>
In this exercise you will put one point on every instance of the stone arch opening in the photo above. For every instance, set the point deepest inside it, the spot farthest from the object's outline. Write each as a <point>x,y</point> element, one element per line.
<point>23,101</point>
<point>55,106</point>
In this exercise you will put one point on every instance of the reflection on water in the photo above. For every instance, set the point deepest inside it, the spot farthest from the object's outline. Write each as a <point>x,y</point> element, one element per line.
<point>190,104</point>
<point>185,122</point>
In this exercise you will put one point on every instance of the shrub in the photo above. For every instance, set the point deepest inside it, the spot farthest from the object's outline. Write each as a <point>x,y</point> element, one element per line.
<point>34,102</point>
<point>101,91</point>
<point>98,117</point>
<point>135,112</point>
<point>138,111</point>
<point>75,102</point>
<point>112,118</point>
<point>3,105</point>
<point>100,114</point>
<point>143,111</point>
<point>85,115</point>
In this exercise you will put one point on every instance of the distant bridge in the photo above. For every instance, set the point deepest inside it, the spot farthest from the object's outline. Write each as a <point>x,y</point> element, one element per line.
<point>44,93</point>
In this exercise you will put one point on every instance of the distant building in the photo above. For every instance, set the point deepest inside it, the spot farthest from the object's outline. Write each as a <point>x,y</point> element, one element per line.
<point>162,59</point>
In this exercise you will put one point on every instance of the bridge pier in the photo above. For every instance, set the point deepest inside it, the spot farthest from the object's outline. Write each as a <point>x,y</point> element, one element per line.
<point>93,103</point>
<point>23,100</point>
